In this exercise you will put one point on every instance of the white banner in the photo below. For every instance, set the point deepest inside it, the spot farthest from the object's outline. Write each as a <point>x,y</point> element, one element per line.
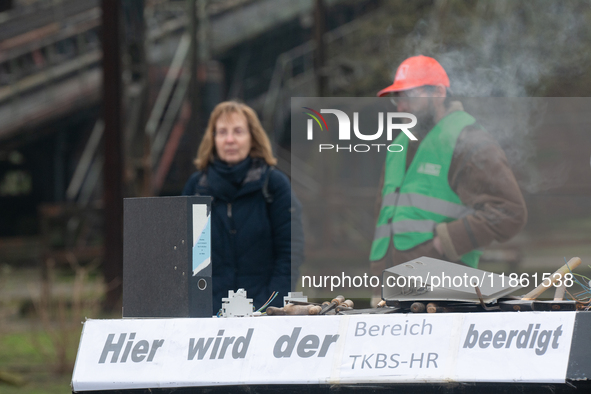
<point>523,347</point>
<point>477,347</point>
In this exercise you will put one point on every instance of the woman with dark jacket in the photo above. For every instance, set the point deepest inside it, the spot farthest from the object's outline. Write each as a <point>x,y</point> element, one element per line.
<point>253,211</point>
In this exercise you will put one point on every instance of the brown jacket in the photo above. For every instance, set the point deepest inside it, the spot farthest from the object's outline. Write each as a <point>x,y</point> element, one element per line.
<point>480,175</point>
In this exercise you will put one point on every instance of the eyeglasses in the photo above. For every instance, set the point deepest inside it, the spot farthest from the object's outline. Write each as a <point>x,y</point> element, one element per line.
<point>406,94</point>
<point>224,133</point>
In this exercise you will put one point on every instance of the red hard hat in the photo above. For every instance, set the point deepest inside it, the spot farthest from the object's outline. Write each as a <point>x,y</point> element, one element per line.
<point>417,71</point>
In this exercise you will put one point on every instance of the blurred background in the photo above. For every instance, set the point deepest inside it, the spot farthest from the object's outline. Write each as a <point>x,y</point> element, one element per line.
<point>105,99</point>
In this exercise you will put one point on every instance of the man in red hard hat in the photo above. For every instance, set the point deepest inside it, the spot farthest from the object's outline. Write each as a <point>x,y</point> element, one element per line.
<point>450,193</point>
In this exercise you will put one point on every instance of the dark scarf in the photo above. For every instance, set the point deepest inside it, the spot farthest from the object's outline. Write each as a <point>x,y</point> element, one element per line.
<point>225,180</point>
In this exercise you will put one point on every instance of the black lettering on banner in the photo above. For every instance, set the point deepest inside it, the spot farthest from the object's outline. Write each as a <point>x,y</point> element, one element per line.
<point>543,342</point>
<point>289,340</point>
<point>431,357</point>
<point>358,328</point>
<point>155,345</point>
<point>485,339</point>
<point>532,338</point>
<point>381,360</point>
<point>523,337</point>
<point>354,359</point>
<point>425,325</point>
<point>227,342</point>
<point>139,350</point>
<point>306,347</point>
<point>112,347</point>
<point>394,330</point>
<point>557,333</point>
<point>127,347</point>
<point>499,339</point>
<point>393,359</point>
<point>512,334</point>
<point>471,337</point>
<point>201,346</point>
<point>420,360</point>
<point>328,340</point>
<point>244,342</point>
<point>216,345</point>
<point>366,361</point>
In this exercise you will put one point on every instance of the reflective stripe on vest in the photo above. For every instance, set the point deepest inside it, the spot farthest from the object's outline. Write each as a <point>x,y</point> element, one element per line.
<point>427,203</point>
<point>415,201</point>
<point>404,226</point>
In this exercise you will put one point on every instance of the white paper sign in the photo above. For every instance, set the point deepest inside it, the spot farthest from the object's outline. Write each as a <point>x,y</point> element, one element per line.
<point>476,347</point>
<point>401,348</point>
<point>201,238</point>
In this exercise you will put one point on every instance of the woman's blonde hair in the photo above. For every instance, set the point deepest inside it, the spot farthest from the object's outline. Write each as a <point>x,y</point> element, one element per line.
<point>260,144</point>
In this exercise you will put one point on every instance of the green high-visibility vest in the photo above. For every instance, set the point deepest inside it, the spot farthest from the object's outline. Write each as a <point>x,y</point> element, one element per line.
<point>415,201</point>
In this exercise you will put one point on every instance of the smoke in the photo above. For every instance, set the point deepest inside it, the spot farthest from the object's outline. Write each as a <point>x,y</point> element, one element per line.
<point>507,49</point>
<point>503,48</point>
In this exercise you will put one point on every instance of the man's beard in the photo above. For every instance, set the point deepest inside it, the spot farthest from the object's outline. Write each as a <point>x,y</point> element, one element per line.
<point>425,121</point>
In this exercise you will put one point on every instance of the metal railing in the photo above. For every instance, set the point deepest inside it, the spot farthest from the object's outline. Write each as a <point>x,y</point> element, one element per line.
<point>348,227</point>
<point>294,69</point>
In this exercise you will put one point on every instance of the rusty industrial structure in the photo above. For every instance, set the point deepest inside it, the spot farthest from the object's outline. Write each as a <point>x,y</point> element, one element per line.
<point>71,146</point>
<point>175,60</point>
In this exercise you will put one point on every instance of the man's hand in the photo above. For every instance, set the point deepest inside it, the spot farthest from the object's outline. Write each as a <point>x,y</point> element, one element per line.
<point>437,245</point>
<point>375,300</point>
